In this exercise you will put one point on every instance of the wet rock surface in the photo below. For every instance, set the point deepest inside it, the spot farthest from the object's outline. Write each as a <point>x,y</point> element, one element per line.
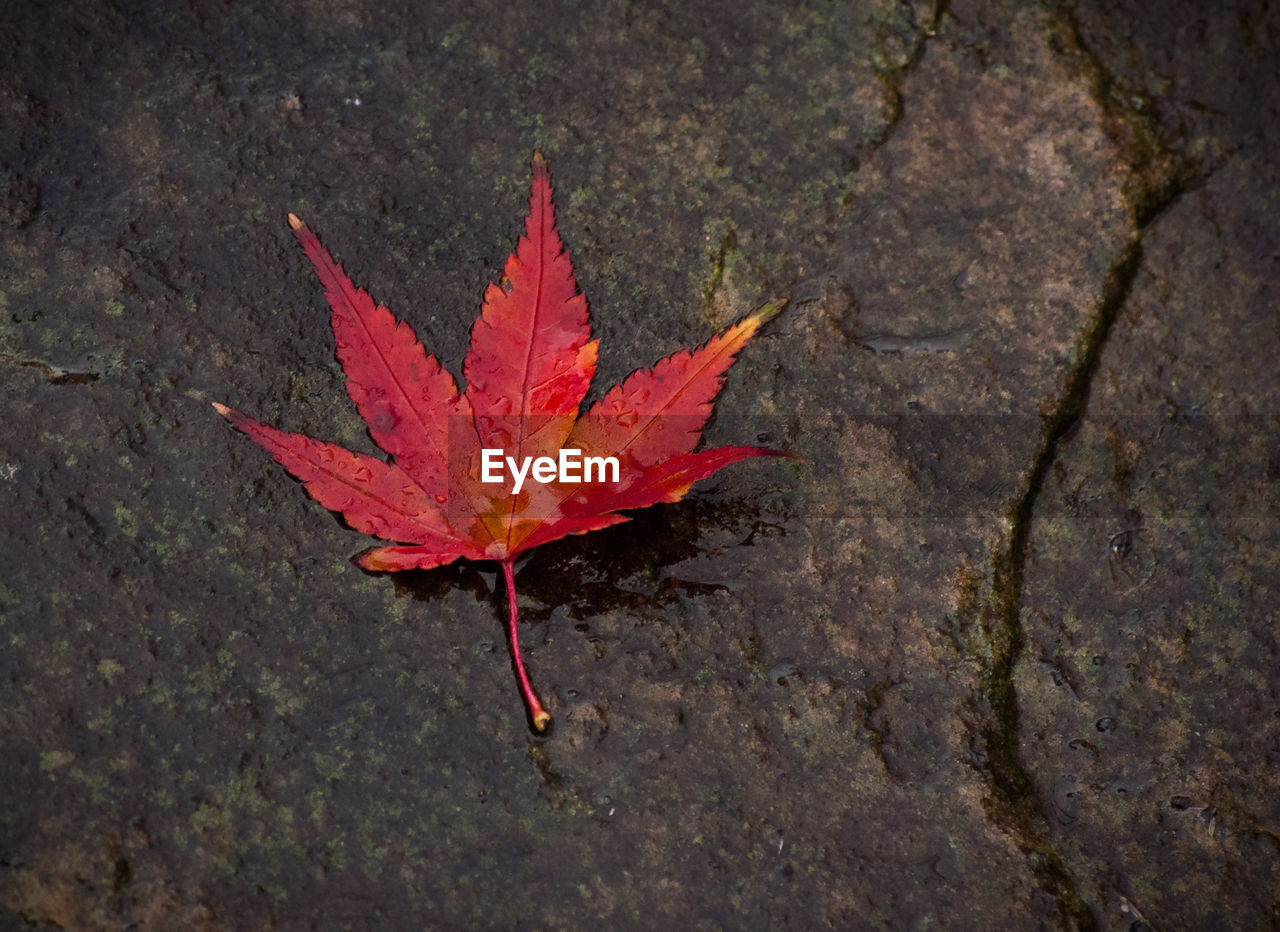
<point>1000,653</point>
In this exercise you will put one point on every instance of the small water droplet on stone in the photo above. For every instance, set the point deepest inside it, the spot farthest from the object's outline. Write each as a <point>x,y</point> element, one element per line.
<point>781,671</point>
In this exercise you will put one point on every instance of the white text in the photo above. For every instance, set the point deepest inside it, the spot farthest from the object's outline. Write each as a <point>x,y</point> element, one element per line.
<point>571,466</point>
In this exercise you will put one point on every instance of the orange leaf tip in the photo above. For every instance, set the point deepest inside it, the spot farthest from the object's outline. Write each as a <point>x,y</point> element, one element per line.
<point>222,409</point>
<point>295,224</point>
<point>769,311</point>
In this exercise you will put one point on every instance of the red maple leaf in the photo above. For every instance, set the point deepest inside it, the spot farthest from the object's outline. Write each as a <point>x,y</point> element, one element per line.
<point>528,368</point>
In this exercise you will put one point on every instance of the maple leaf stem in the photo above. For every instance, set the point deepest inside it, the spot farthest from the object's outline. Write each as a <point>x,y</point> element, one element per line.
<point>541,719</point>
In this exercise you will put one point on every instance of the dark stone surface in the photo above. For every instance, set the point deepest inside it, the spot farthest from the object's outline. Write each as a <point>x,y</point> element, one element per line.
<point>1001,653</point>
